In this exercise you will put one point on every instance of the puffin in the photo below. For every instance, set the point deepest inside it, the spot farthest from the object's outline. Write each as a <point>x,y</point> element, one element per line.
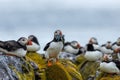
<point>71,50</point>
<point>106,48</point>
<point>92,50</point>
<point>109,65</point>
<point>116,44</point>
<point>16,48</point>
<point>72,47</point>
<point>33,44</point>
<point>116,48</point>
<point>54,47</point>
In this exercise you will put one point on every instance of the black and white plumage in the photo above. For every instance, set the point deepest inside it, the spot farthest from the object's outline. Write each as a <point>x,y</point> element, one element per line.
<point>17,48</point>
<point>106,48</point>
<point>54,47</point>
<point>71,50</point>
<point>72,47</point>
<point>116,48</point>
<point>33,44</point>
<point>116,44</point>
<point>92,51</point>
<point>109,65</point>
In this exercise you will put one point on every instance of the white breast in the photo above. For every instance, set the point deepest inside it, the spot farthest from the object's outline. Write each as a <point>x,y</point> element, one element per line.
<point>19,52</point>
<point>33,47</point>
<point>70,49</point>
<point>54,48</point>
<point>93,55</point>
<point>115,47</point>
<point>96,46</point>
<point>109,67</point>
<point>105,50</point>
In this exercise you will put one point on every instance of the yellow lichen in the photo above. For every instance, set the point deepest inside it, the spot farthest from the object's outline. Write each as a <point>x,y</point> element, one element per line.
<point>57,72</point>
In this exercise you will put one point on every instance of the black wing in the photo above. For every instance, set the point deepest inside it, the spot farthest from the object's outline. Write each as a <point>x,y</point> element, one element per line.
<point>2,44</point>
<point>67,43</point>
<point>117,62</point>
<point>11,45</point>
<point>47,46</point>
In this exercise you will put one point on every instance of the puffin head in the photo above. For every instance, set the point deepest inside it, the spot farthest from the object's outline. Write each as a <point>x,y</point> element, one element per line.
<point>93,40</point>
<point>58,35</point>
<point>23,41</point>
<point>75,44</point>
<point>108,44</point>
<point>107,57</point>
<point>31,39</point>
<point>118,41</point>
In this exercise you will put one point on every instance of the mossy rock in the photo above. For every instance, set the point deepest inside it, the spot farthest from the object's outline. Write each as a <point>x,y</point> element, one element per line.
<point>111,78</point>
<point>106,76</point>
<point>57,72</point>
<point>37,58</point>
<point>72,69</point>
<point>88,69</point>
<point>39,61</point>
<point>27,71</point>
<point>80,59</point>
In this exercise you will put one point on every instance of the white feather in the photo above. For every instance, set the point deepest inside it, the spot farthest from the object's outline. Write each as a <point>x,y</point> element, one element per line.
<point>96,46</point>
<point>105,50</point>
<point>93,55</point>
<point>19,52</point>
<point>54,48</point>
<point>70,49</point>
<point>33,47</point>
<point>115,47</point>
<point>109,67</point>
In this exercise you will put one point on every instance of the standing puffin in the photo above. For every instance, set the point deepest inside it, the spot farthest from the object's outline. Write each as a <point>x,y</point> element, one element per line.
<point>116,48</point>
<point>116,44</point>
<point>72,47</point>
<point>107,48</point>
<point>54,47</point>
<point>71,50</point>
<point>17,48</point>
<point>109,65</point>
<point>92,50</point>
<point>33,44</point>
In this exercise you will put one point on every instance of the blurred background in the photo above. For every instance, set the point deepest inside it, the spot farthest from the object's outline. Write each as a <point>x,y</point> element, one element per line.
<point>77,19</point>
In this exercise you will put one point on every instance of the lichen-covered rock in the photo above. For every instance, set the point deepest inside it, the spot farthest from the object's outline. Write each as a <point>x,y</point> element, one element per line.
<point>57,72</point>
<point>88,69</point>
<point>106,76</point>
<point>72,69</point>
<point>38,63</point>
<point>15,68</point>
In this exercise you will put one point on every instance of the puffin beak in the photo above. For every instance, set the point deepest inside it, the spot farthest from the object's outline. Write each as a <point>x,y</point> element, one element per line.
<point>29,42</point>
<point>105,58</point>
<point>117,50</point>
<point>78,45</point>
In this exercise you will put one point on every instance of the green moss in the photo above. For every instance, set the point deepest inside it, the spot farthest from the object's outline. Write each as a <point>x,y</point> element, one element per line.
<point>57,72</point>
<point>88,68</point>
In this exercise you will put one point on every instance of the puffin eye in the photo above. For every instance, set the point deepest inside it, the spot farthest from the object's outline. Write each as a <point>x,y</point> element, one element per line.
<point>23,40</point>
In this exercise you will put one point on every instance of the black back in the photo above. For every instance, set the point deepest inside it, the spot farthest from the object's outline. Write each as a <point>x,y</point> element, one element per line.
<point>12,45</point>
<point>2,44</point>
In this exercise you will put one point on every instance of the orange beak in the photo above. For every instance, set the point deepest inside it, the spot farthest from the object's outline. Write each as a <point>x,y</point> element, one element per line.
<point>117,50</point>
<point>29,42</point>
